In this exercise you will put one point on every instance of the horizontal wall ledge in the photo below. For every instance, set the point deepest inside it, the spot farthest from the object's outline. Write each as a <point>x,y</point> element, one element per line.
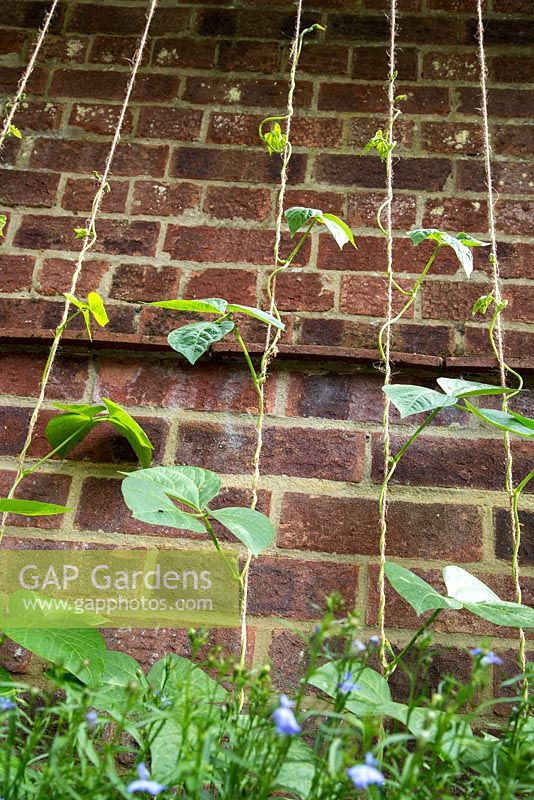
<point>230,349</point>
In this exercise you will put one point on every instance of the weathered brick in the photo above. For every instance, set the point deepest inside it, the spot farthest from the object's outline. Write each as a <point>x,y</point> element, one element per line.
<point>80,192</point>
<point>14,658</point>
<point>363,207</point>
<point>11,42</point>
<point>144,283</point>
<point>9,78</point>
<point>229,165</point>
<point>411,29</point>
<point>116,50</point>
<point>283,587</point>
<point>22,313</point>
<point>130,159</point>
<point>55,275</point>
<point>362,129</point>
<point>169,384</point>
<point>125,20</point>
<point>326,201</point>
<point>13,424</point>
<point>445,66</point>
<point>41,487</point>
<point>367,171</point>
<point>304,291</point>
<point>184,52</point>
<point>20,374</point>
<point>516,343</point>
<point>320,58</point>
<point>230,283</point>
<point>38,116</point>
<point>456,214</point>
<point>258,92</point>
<point>243,56</point>
<point>302,452</point>
<point>451,137</point>
<point>331,395</point>
<point>515,32</point>
<point>370,62</point>
<point>227,203</point>
<point>351,526</point>
<point>165,199</point>
<point>178,124</point>
<point>512,68</point>
<point>455,300</point>
<point>367,295</point>
<point>22,187</point>
<point>508,177</point>
<point>513,140</point>
<point>16,273</point>
<point>195,243</point>
<point>501,102</point>
<point>514,215</point>
<point>354,97</point>
<point>99,118</point>
<point>288,662</point>
<point>503,535</point>
<point>62,49</point>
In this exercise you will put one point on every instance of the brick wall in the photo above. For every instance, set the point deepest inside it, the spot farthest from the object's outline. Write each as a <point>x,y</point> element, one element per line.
<point>191,214</point>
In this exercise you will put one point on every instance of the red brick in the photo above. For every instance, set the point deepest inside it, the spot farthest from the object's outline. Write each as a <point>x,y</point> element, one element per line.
<point>362,209</point>
<point>326,201</point>
<point>512,68</point>
<point>172,384</point>
<point>22,313</point>
<point>307,132</point>
<point>229,165</point>
<point>407,338</point>
<point>97,118</point>
<point>121,320</point>
<point>9,78</point>
<point>304,291</point>
<point>501,102</point>
<point>513,140</point>
<point>11,42</point>
<point>364,294</point>
<point>451,137</point>
<point>38,116</point>
<point>455,301</point>
<point>362,129</point>
<point>283,587</point>
<point>164,199</point>
<point>456,214</point>
<point>254,23</point>
<point>125,20</point>
<point>55,274</point>
<point>130,159</point>
<point>64,49</point>
<point>80,192</point>
<point>14,658</point>
<point>512,6</point>
<point>288,660</point>
<point>227,203</point>
<point>411,29</point>
<point>301,452</point>
<point>13,424</point>
<point>116,50</point>
<point>184,52</point>
<point>508,177</point>
<point>20,374</point>
<point>144,283</point>
<point>249,56</point>
<point>31,15</point>
<point>516,343</point>
<point>371,62</point>
<point>332,395</point>
<point>22,187</point>
<point>514,32</point>
<point>515,216</point>
<point>40,487</point>
<point>503,535</point>
<point>515,259</point>
<point>205,244</point>
<point>320,59</point>
<point>235,285</point>
<point>446,66</point>
<point>178,124</point>
<point>102,84</point>
<point>233,128</point>
<point>16,273</point>
<point>327,524</point>
<point>114,236</point>
<point>367,171</point>
<point>403,5</point>
<point>266,94</point>
<point>370,255</point>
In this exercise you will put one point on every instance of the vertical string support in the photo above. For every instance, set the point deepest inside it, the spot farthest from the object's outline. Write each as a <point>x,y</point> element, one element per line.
<point>88,243</point>
<point>269,350</point>
<point>25,77</point>
<point>499,332</point>
<point>387,231</point>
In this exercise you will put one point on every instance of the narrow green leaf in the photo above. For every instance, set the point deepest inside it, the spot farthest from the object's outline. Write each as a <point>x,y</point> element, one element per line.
<point>131,430</point>
<point>193,340</point>
<point>30,508</point>
<point>255,530</point>
<point>409,399</point>
<point>526,421</point>
<point>297,216</point>
<point>417,592</point>
<point>97,308</point>
<point>210,305</point>
<point>339,229</point>
<point>257,313</point>
<point>502,420</point>
<point>80,651</point>
<point>456,387</point>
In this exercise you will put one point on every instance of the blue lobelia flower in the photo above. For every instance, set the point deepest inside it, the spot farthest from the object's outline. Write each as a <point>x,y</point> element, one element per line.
<point>364,775</point>
<point>91,719</point>
<point>488,658</point>
<point>6,704</point>
<point>284,718</point>
<point>347,685</point>
<point>144,784</point>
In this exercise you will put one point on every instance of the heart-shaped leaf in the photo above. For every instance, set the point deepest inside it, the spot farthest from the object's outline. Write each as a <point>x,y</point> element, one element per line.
<point>417,592</point>
<point>409,399</point>
<point>461,244</point>
<point>193,340</point>
<point>298,216</point>
<point>255,530</point>
<point>97,308</point>
<point>257,313</point>
<point>131,430</point>
<point>209,305</point>
<point>65,431</point>
<point>465,588</point>
<point>339,229</point>
<point>456,387</point>
<point>373,691</point>
<point>30,508</point>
